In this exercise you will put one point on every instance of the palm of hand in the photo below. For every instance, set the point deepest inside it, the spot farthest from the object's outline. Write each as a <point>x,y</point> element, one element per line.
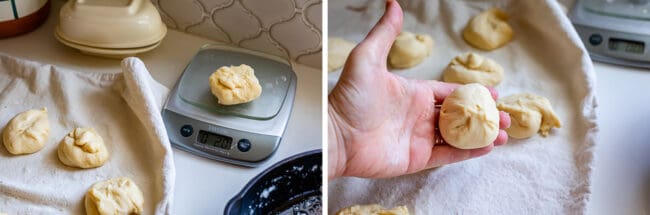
<point>393,123</point>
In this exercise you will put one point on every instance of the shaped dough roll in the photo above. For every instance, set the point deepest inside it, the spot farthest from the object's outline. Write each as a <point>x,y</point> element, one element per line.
<point>83,148</point>
<point>114,196</point>
<point>338,51</point>
<point>488,30</point>
<point>27,132</point>
<point>469,118</point>
<point>529,114</point>
<point>473,68</point>
<point>409,49</point>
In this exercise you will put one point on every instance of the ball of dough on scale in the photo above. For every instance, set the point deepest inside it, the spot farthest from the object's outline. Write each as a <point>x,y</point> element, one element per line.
<point>83,148</point>
<point>473,68</point>
<point>235,85</point>
<point>488,30</point>
<point>529,114</point>
<point>409,49</point>
<point>373,210</point>
<point>27,132</point>
<point>114,196</point>
<point>469,117</point>
<point>338,51</point>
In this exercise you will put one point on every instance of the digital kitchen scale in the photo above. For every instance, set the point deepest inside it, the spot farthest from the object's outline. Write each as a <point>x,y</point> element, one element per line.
<point>614,31</point>
<point>244,134</point>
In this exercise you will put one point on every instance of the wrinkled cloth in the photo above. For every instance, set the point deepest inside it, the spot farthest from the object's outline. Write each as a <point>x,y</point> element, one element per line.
<point>124,108</point>
<point>532,176</point>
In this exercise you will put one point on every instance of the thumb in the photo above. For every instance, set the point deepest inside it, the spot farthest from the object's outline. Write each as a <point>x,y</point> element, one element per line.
<point>382,36</point>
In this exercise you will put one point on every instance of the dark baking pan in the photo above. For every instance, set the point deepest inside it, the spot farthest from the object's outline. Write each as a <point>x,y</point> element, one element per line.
<point>291,186</point>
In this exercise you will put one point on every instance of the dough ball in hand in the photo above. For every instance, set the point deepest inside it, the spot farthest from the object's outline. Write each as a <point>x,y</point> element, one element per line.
<point>83,148</point>
<point>338,51</point>
<point>235,85</point>
<point>529,114</point>
<point>469,118</point>
<point>489,30</point>
<point>114,196</point>
<point>473,68</point>
<point>27,132</point>
<point>409,49</point>
<point>373,210</point>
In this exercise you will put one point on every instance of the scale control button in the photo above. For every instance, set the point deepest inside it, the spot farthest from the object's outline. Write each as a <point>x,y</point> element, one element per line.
<point>244,145</point>
<point>187,130</point>
<point>595,39</point>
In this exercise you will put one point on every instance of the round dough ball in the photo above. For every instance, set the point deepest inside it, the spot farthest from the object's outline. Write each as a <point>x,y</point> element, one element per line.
<point>373,210</point>
<point>473,68</point>
<point>529,114</point>
<point>114,196</point>
<point>409,49</point>
<point>27,132</point>
<point>83,148</point>
<point>489,30</point>
<point>235,85</point>
<point>469,118</point>
<point>338,51</point>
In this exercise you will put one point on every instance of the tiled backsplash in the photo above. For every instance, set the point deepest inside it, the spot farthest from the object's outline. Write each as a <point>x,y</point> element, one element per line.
<point>287,28</point>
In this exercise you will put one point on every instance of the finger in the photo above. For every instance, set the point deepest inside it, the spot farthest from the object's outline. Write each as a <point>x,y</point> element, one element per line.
<point>382,36</point>
<point>436,114</point>
<point>437,138</point>
<point>445,154</point>
<point>442,89</point>
<point>493,92</point>
<point>502,138</point>
<point>504,120</point>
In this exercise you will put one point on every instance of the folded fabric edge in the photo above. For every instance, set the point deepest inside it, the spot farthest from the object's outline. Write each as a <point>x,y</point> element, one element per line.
<point>589,103</point>
<point>146,96</point>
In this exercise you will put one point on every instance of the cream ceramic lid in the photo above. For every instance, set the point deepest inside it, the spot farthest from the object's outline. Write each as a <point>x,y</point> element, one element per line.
<point>111,24</point>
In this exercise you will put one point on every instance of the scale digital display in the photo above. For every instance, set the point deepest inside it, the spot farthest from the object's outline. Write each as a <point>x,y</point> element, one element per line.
<point>215,140</point>
<point>629,46</point>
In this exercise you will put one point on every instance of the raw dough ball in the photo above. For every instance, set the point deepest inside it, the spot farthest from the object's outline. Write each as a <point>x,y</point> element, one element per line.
<point>338,51</point>
<point>27,132</point>
<point>488,30</point>
<point>469,117</point>
<point>373,210</point>
<point>235,84</point>
<point>529,114</point>
<point>473,68</point>
<point>409,49</point>
<point>83,148</point>
<point>114,196</point>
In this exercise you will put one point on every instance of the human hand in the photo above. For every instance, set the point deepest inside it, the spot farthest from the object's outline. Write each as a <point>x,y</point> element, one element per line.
<point>383,125</point>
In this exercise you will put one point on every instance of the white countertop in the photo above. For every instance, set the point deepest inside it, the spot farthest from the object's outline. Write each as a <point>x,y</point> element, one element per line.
<point>621,177</point>
<point>202,186</point>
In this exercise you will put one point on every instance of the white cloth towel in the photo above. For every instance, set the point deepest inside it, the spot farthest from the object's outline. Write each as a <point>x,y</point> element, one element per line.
<point>532,176</point>
<point>124,108</point>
